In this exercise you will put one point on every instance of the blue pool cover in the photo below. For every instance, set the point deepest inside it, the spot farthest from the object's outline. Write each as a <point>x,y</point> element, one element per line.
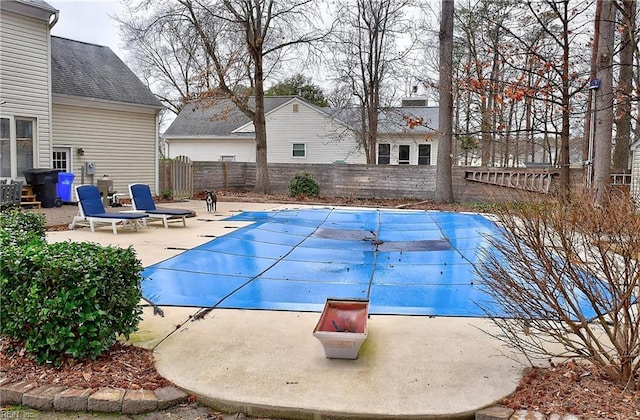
<point>404,262</point>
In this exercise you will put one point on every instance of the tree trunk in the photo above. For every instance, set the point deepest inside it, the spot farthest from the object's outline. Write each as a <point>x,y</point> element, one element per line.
<point>444,187</point>
<point>603,109</point>
<point>260,126</point>
<point>564,159</point>
<point>588,125</point>
<point>625,89</point>
<point>485,128</point>
<point>372,133</point>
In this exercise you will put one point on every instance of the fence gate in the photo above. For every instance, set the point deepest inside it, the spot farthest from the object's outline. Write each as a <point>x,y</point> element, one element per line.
<point>181,177</point>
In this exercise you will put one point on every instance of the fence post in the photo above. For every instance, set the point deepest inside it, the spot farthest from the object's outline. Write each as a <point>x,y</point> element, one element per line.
<point>181,177</point>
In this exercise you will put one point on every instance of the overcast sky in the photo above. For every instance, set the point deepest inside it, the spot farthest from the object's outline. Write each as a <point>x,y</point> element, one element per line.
<point>88,21</point>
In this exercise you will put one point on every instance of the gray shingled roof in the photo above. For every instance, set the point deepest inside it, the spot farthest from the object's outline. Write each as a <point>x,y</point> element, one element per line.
<point>223,117</point>
<point>220,118</point>
<point>40,4</point>
<point>394,120</point>
<point>96,72</point>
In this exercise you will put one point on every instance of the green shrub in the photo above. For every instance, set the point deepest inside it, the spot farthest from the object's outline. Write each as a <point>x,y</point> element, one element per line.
<point>303,184</point>
<point>68,299</point>
<point>19,227</point>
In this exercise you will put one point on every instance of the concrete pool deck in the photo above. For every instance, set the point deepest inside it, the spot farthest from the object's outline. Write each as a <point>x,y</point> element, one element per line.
<point>267,363</point>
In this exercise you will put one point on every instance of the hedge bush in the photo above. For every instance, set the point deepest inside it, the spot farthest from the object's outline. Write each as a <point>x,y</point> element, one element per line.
<point>67,299</point>
<point>303,184</point>
<point>19,227</point>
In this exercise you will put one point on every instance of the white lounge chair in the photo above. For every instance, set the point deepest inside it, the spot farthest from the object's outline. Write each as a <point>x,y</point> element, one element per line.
<point>91,210</point>
<point>142,200</point>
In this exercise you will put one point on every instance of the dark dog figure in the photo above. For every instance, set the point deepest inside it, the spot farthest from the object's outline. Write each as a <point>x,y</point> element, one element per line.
<point>211,199</point>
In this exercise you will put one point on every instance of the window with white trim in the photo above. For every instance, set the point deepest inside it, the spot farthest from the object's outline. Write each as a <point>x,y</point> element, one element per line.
<point>24,144</point>
<point>5,147</point>
<point>424,154</point>
<point>384,153</point>
<point>404,153</point>
<point>227,158</point>
<point>17,145</point>
<point>299,150</point>
<point>60,158</point>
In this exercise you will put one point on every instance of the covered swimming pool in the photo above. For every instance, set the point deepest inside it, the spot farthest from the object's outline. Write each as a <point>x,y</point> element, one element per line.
<point>405,262</point>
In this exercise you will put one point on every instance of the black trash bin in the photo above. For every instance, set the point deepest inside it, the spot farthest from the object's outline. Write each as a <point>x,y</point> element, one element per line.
<point>43,182</point>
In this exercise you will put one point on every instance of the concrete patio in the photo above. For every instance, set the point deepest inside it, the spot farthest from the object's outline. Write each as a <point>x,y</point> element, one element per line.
<point>267,363</point>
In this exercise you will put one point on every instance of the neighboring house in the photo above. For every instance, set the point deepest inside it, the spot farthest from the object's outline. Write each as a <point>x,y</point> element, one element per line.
<point>64,103</point>
<point>297,132</point>
<point>102,113</point>
<point>406,134</point>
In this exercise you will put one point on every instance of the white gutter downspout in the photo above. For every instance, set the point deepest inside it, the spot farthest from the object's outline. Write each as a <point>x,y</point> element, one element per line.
<point>52,23</point>
<point>157,153</point>
<point>56,16</point>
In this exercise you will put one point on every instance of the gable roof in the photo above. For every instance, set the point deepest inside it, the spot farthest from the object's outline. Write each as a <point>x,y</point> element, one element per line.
<point>38,9</point>
<point>224,119</point>
<point>38,3</point>
<point>395,120</point>
<point>95,72</point>
<point>221,118</point>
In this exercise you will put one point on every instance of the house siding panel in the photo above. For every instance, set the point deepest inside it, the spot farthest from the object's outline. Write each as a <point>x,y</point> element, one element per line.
<point>317,131</point>
<point>326,138</point>
<point>25,75</point>
<point>103,134</point>
<point>212,150</point>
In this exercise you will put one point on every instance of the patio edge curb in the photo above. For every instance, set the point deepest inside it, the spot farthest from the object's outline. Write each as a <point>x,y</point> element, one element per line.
<point>50,397</point>
<point>107,400</point>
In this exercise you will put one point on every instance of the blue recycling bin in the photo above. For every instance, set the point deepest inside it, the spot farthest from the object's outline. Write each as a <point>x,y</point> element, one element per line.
<point>64,186</point>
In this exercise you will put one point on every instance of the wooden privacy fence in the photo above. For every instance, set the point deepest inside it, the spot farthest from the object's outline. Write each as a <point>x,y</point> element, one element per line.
<point>472,184</point>
<point>177,176</point>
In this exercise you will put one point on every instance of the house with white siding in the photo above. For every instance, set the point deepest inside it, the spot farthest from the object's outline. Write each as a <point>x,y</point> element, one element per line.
<point>102,114</point>
<point>69,105</point>
<point>299,132</point>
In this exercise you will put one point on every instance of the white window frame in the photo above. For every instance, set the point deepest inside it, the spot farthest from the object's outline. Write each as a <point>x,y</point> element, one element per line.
<point>419,156</point>
<point>227,158</point>
<point>68,150</point>
<point>10,148</point>
<point>406,161</point>
<point>385,156</point>
<point>13,143</point>
<point>304,150</point>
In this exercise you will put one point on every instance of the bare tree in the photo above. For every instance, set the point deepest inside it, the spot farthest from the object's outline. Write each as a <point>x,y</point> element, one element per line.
<point>564,279</point>
<point>366,53</point>
<point>164,50</point>
<point>444,187</point>
<point>234,45</point>
<point>560,89</point>
<point>603,109</point>
<point>625,86</point>
<point>524,77</point>
<point>265,29</point>
<point>481,37</point>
